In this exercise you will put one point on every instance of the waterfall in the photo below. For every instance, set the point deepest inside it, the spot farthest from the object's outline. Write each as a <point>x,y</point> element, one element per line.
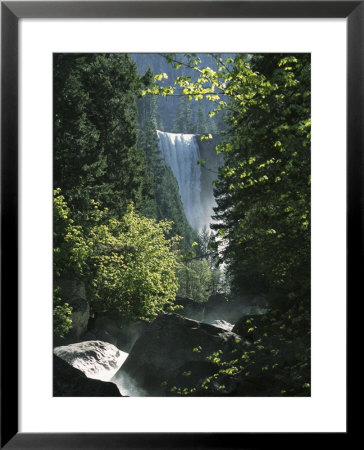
<point>181,153</point>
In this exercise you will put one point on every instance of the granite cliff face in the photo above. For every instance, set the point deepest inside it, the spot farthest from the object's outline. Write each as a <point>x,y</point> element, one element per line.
<point>209,169</point>
<point>168,106</point>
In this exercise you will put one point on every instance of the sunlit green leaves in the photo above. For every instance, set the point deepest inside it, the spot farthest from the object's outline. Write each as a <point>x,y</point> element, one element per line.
<point>160,76</point>
<point>129,263</point>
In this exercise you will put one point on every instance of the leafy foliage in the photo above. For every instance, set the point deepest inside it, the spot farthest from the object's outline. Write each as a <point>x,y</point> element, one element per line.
<point>179,115</point>
<point>276,362</point>
<point>263,201</point>
<point>198,274</point>
<point>195,280</point>
<point>70,252</point>
<point>70,246</point>
<point>62,322</point>
<point>263,192</point>
<point>128,264</point>
<point>133,266</point>
<point>262,229</point>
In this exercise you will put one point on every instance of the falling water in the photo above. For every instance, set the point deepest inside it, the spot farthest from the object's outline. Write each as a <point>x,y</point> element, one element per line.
<point>181,154</point>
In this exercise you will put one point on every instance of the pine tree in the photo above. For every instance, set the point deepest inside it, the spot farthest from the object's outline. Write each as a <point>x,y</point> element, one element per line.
<point>95,122</point>
<point>263,192</point>
<point>184,122</point>
<point>201,123</point>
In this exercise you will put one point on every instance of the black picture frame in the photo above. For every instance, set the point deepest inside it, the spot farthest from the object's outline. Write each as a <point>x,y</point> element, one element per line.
<point>11,12</point>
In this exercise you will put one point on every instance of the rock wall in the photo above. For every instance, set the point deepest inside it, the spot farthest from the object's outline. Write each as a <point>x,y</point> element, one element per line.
<point>209,170</point>
<point>73,292</point>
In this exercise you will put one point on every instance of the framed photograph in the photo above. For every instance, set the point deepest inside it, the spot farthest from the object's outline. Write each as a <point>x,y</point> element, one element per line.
<point>176,240</point>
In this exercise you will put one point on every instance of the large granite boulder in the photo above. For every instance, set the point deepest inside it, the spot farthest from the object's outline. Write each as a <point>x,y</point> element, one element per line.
<point>96,359</point>
<point>73,292</point>
<point>72,288</point>
<point>125,333</point>
<point>97,334</point>
<point>191,309</point>
<point>106,321</point>
<point>70,382</point>
<point>209,170</point>
<point>129,333</point>
<point>80,316</point>
<point>270,366</point>
<point>223,324</point>
<point>171,342</point>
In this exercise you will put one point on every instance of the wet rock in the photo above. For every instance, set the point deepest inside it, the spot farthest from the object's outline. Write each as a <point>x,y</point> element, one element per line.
<point>80,316</point>
<point>191,309</point>
<point>97,334</point>
<point>72,288</point>
<point>189,378</point>
<point>107,322</point>
<point>73,292</point>
<point>129,333</point>
<point>223,324</point>
<point>96,359</point>
<point>70,382</point>
<point>125,333</point>
<point>169,343</point>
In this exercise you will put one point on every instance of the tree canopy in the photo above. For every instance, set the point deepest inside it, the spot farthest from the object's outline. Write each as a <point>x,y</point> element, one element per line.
<point>263,191</point>
<point>127,264</point>
<point>95,130</point>
<point>116,190</point>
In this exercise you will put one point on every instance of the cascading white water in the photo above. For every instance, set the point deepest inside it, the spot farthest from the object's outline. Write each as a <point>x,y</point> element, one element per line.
<point>181,154</point>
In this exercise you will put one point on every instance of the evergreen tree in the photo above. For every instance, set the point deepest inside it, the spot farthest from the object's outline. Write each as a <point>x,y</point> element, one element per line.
<point>201,123</point>
<point>263,192</point>
<point>263,208</point>
<point>195,280</point>
<point>184,122</point>
<point>95,121</point>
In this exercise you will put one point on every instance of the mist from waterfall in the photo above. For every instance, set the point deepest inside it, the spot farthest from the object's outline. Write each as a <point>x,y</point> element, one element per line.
<point>181,153</point>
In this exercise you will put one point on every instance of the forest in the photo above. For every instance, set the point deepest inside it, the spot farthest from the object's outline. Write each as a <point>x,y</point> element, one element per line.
<point>181,228</point>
